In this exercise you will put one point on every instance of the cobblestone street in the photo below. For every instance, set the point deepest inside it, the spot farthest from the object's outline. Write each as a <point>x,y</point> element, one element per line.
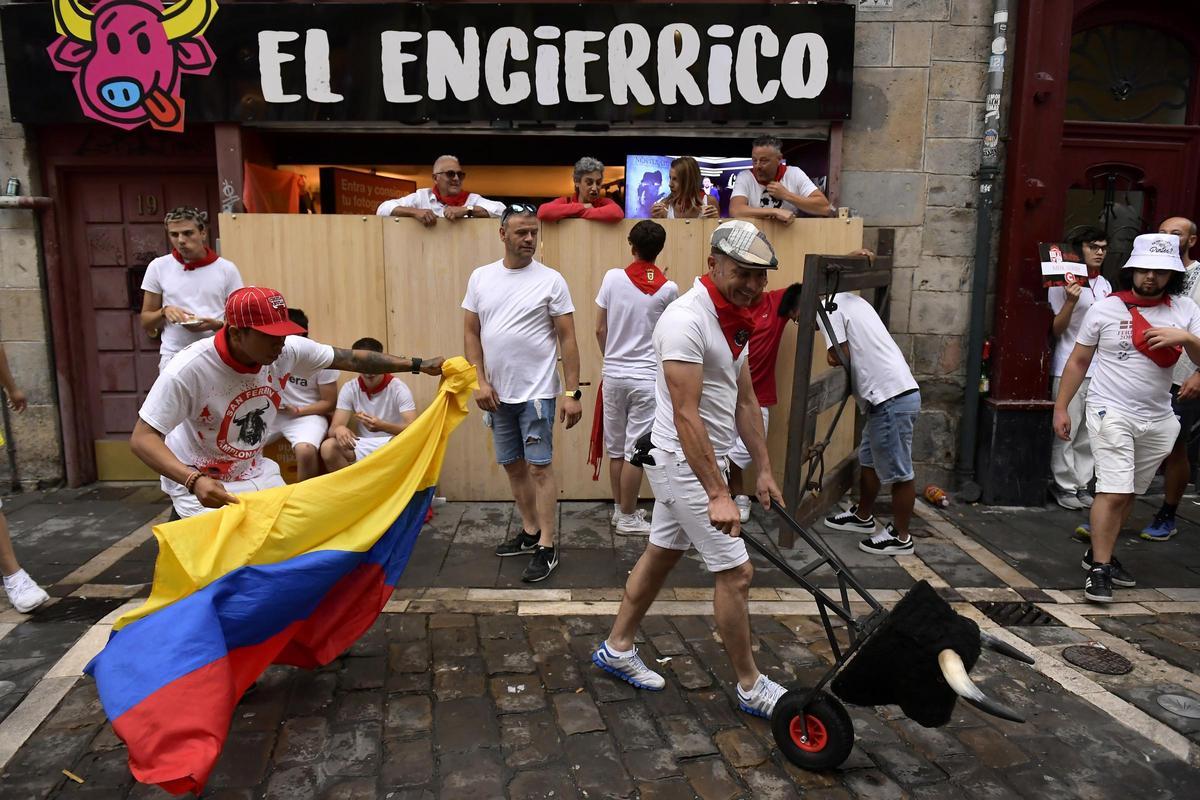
<point>474,689</point>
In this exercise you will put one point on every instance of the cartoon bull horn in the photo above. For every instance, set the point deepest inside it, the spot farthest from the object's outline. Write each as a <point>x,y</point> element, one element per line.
<point>188,18</point>
<point>955,673</point>
<point>73,20</point>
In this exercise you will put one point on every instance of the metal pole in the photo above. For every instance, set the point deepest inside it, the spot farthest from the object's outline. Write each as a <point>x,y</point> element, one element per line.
<point>989,170</point>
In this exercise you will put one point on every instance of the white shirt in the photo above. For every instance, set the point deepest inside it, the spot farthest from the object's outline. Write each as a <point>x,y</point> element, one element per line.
<point>217,418</point>
<point>794,180</point>
<point>1098,288</point>
<point>425,198</point>
<point>202,291</point>
<point>879,369</point>
<point>1191,288</point>
<point>304,390</point>
<point>632,315</point>
<point>688,331</point>
<point>387,404</point>
<point>1124,378</point>
<point>516,308</point>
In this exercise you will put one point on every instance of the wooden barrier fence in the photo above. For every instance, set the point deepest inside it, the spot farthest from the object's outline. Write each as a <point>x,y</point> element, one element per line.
<point>403,284</point>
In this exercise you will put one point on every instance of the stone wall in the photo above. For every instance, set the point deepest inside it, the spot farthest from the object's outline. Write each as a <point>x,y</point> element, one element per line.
<point>910,154</point>
<point>24,329</point>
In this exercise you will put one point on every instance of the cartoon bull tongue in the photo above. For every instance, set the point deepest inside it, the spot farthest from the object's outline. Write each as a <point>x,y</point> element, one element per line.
<point>165,110</point>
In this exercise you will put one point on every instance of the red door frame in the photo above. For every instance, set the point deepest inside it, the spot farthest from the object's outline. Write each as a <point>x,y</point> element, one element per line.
<point>1035,202</point>
<point>67,151</point>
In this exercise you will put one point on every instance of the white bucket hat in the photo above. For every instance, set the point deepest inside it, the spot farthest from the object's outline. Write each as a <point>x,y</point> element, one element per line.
<point>1155,251</point>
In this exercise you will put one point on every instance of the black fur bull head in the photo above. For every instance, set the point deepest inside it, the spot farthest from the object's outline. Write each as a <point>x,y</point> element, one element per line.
<point>918,658</point>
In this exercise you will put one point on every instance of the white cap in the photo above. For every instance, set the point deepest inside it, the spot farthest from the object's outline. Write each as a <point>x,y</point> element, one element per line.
<point>744,243</point>
<point>1155,251</point>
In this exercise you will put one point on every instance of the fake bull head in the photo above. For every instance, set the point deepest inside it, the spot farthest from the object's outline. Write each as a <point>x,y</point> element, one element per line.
<point>129,56</point>
<point>919,659</point>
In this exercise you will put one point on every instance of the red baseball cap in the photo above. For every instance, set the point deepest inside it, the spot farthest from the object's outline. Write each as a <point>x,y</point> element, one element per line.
<point>262,309</point>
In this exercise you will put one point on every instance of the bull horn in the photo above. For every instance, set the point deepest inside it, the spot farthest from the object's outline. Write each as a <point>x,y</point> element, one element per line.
<point>73,20</point>
<point>956,675</point>
<point>1002,647</point>
<point>188,18</point>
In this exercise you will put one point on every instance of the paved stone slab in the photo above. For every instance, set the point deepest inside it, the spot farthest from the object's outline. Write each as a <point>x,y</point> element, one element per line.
<point>712,780</point>
<point>598,771</point>
<point>686,737</point>
<point>517,693</point>
<point>577,713</point>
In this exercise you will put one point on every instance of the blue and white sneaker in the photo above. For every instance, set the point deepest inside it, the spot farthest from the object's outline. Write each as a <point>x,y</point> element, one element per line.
<point>630,669</point>
<point>760,701</point>
<point>1161,529</point>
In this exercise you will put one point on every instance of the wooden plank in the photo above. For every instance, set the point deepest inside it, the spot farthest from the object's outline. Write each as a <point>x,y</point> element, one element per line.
<point>403,283</point>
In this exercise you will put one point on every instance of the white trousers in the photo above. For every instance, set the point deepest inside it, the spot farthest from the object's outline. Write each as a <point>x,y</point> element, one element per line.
<point>1072,463</point>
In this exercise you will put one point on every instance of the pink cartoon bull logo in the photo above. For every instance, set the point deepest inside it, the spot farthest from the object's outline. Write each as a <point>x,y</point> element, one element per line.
<point>128,57</point>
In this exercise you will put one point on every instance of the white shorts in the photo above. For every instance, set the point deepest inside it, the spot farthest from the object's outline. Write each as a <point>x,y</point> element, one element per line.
<point>186,504</point>
<point>680,518</point>
<point>309,429</point>
<point>739,455</point>
<point>628,414</point>
<point>1128,451</point>
<point>365,445</point>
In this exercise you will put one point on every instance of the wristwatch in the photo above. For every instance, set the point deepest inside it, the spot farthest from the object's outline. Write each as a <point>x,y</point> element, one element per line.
<point>575,395</point>
<point>416,365</point>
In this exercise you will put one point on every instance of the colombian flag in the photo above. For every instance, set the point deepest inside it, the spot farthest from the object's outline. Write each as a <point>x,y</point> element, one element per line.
<point>292,575</point>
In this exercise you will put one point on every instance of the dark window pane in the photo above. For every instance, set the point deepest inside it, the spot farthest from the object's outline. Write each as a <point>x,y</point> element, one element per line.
<point>1128,73</point>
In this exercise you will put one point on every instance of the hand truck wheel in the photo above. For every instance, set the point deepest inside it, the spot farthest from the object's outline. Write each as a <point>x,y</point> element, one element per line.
<point>829,736</point>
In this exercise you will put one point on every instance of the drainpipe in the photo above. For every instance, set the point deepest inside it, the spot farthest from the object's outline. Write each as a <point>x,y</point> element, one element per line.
<point>989,170</point>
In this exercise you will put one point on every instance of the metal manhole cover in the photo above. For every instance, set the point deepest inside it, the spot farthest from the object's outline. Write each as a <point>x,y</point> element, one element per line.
<point>1180,704</point>
<point>1010,614</point>
<point>1097,659</point>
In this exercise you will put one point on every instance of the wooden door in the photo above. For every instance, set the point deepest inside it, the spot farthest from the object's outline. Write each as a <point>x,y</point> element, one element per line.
<point>116,230</point>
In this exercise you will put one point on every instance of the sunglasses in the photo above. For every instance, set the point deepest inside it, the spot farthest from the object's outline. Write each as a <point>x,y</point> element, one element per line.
<point>517,209</point>
<point>452,173</point>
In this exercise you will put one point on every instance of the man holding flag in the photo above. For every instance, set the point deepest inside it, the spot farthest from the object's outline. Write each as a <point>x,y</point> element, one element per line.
<point>205,421</point>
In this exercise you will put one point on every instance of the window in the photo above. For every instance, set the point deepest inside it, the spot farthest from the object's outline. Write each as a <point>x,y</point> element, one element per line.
<point>1128,73</point>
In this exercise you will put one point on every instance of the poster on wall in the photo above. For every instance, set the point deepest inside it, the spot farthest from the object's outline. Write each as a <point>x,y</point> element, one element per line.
<point>1061,265</point>
<point>347,191</point>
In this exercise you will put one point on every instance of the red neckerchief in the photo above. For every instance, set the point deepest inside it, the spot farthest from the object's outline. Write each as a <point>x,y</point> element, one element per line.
<point>459,199</point>
<point>221,341</point>
<point>1163,356</point>
<point>778,175</point>
<point>362,384</point>
<point>208,258</point>
<point>736,323</point>
<point>646,276</point>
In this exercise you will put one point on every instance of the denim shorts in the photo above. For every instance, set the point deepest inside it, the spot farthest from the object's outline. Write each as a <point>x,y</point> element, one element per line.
<point>887,438</point>
<point>523,431</point>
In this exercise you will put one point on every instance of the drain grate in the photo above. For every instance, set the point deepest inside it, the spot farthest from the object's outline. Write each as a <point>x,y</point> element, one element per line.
<point>1097,659</point>
<point>1011,614</point>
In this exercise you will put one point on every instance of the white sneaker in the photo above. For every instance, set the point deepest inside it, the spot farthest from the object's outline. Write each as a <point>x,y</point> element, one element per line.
<point>743,504</point>
<point>24,594</point>
<point>629,668</point>
<point>634,524</point>
<point>616,515</point>
<point>760,701</point>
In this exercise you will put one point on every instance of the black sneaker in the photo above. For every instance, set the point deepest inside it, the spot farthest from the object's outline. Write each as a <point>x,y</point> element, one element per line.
<point>1119,576</point>
<point>544,560</point>
<point>1098,586</point>
<point>885,543</point>
<point>850,521</point>
<point>519,545</point>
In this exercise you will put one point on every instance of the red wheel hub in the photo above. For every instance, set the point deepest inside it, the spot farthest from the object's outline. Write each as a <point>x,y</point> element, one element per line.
<point>817,736</point>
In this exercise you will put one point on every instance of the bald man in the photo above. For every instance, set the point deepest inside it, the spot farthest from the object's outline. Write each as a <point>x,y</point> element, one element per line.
<point>447,199</point>
<point>1185,394</point>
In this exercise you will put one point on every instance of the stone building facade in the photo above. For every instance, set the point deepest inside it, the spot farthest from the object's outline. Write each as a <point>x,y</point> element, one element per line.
<point>909,158</point>
<point>35,440</point>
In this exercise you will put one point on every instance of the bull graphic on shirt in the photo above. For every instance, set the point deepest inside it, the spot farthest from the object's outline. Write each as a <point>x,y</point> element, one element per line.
<point>252,428</point>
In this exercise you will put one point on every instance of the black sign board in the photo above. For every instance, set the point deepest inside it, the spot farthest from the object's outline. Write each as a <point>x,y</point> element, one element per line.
<point>410,63</point>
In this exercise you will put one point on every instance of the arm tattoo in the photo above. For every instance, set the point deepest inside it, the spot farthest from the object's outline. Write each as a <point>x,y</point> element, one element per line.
<point>368,362</point>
